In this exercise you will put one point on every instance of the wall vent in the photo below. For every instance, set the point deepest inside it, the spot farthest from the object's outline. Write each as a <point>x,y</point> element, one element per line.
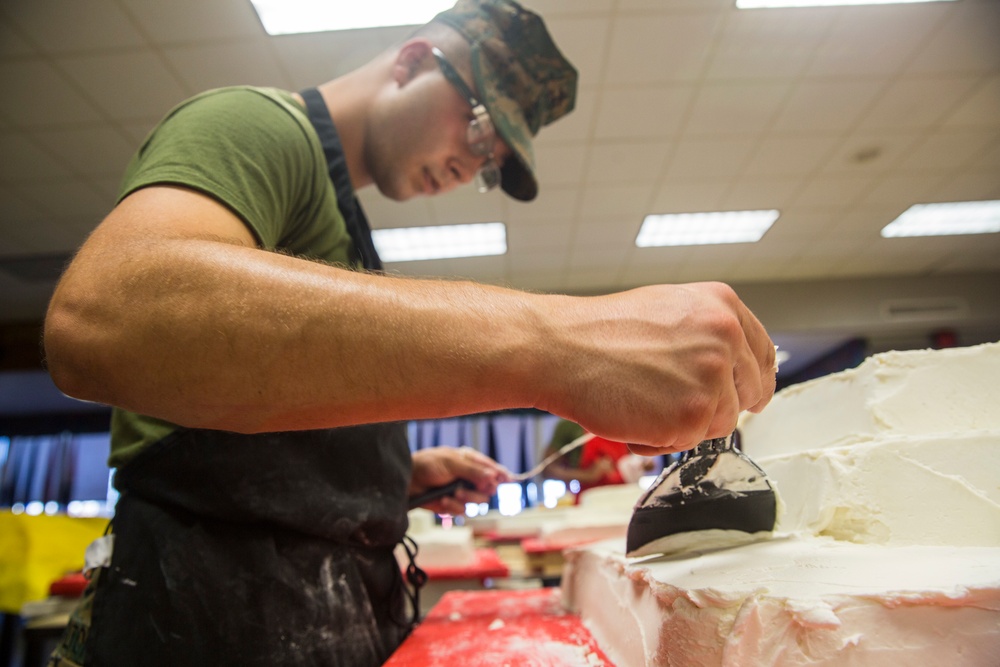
<point>933,309</point>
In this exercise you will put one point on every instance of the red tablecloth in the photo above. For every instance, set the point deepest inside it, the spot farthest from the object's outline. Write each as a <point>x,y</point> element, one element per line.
<point>497,628</point>
<point>486,565</point>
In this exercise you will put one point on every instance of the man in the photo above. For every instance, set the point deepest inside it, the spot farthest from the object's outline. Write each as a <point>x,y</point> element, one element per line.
<point>262,464</point>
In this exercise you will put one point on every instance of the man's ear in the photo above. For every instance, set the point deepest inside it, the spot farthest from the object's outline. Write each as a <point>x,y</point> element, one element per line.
<point>410,59</point>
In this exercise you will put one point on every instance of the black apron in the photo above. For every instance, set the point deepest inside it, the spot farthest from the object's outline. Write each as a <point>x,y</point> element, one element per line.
<point>269,549</point>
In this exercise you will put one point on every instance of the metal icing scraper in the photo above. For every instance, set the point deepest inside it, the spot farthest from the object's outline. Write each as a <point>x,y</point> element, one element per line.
<point>712,497</point>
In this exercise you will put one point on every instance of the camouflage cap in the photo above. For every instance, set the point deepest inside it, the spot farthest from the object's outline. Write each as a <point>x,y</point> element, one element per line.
<point>523,79</point>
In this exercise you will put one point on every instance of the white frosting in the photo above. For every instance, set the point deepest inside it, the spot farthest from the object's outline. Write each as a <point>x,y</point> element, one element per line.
<point>888,545</point>
<point>896,393</point>
<point>936,489</point>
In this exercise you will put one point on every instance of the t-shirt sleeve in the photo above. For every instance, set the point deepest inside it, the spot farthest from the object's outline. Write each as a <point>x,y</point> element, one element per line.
<point>238,146</point>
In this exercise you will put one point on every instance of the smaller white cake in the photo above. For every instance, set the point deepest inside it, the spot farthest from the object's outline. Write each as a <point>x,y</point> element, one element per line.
<point>438,547</point>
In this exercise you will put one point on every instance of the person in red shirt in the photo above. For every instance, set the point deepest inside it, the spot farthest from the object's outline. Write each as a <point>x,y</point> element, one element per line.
<point>601,454</point>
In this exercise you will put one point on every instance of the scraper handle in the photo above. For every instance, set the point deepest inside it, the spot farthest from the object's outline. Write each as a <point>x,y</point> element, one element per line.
<point>440,492</point>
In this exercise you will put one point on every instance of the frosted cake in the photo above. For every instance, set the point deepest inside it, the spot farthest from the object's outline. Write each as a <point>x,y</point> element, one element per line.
<point>887,550</point>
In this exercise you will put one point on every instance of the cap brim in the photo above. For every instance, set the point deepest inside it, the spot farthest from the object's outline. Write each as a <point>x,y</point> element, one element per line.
<point>517,176</point>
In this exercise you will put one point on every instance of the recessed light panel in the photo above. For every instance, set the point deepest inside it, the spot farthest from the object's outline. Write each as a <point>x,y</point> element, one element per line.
<point>409,244</point>
<point>284,17</point>
<point>766,4</point>
<point>676,229</point>
<point>967,217</point>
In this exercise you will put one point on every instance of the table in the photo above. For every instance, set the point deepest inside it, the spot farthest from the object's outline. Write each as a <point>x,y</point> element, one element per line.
<point>500,628</point>
<point>476,575</point>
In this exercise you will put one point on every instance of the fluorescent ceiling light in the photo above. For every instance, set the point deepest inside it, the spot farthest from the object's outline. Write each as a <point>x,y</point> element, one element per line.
<point>967,217</point>
<point>283,17</point>
<point>408,244</point>
<point>766,4</point>
<point>704,228</point>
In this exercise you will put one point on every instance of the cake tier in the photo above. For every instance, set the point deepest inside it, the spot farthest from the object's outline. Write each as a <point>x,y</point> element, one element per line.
<point>894,490</point>
<point>791,601</point>
<point>918,393</point>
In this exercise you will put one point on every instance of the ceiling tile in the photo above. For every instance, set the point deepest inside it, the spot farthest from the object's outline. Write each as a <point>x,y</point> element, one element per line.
<point>67,198</point>
<point>982,109</point>
<point>990,155</point>
<point>12,44</point>
<point>127,85</point>
<point>967,41</point>
<point>917,103</point>
<point>51,235</point>
<point>553,9</point>
<point>798,225</point>
<point>596,258</point>
<point>25,160</point>
<point>833,191</point>
<point>466,204</point>
<point>875,40</point>
<point>613,233</point>
<point>869,152</point>
<point>672,5</point>
<point>627,162</point>
<point>761,193</point>
<point>59,27</point>
<point>15,211</point>
<point>945,151</point>
<point>735,108</point>
<point>615,201</point>
<point>789,156</point>
<point>139,128</point>
<point>686,196</point>
<point>766,44</point>
<point>314,58</point>
<point>477,268</point>
<point>642,112</point>
<point>545,238</point>
<point>195,20</point>
<point>36,94</point>
<point>858,225</point>
<point>553,203</point>
<point>592,279</point>
<point>97,150</point>
<point>655,48</point>
<point>903,189</point>
<point>970,185</point>
<point>384,213</point>
<point>560,164</point>
<point>206,66</point>
<point>826,106</point>
<point>709,158</point>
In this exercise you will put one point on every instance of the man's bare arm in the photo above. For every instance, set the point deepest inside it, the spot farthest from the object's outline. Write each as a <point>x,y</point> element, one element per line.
<point>170,310</point>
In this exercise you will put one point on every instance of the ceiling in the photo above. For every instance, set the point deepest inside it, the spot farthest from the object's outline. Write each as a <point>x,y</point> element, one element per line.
<point>841,118</point>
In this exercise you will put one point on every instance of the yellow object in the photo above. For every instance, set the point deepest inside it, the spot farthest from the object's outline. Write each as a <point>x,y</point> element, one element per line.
<point>37,550</point>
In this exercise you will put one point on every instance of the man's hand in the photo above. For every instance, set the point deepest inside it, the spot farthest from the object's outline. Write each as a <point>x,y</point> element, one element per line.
<point>441,465</point>
<point>664,367</point>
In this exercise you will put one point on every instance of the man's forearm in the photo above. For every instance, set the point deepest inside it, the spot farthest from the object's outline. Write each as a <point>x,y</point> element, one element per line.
<point>222,336</point>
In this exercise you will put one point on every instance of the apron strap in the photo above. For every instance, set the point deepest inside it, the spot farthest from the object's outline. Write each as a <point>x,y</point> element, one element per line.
<point>354,216</point>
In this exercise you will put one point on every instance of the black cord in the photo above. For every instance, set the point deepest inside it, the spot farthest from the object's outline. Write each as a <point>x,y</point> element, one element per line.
<point>416,577</point>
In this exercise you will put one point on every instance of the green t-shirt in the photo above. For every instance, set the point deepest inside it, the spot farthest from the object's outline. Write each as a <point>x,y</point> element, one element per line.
<point>255,151</point>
